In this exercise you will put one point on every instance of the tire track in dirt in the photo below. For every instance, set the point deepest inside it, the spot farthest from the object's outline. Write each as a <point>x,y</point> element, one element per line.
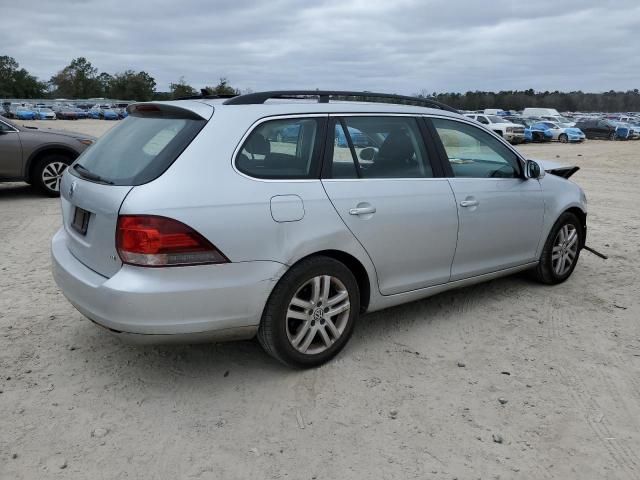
<point>618,449</point>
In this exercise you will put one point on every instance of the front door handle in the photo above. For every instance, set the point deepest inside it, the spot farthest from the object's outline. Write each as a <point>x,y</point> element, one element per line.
<point>469,203</point>
<point>362,211</point>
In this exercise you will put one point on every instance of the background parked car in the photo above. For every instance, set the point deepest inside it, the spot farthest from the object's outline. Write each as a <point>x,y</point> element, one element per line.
<point>359,139</point>
<point>564,134</point>
<point>80,113</point>
<point>44,113</point>
<point>38,157</point>
<point>602,129</point>
<point>511,132</point>
<point>66,113</point>
<point>24,113</point>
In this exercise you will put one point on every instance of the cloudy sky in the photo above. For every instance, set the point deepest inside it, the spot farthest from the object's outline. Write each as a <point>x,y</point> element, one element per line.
<point>400,46</point>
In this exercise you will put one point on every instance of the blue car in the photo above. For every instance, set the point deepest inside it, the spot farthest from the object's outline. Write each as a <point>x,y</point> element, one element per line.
<point>109,114</point>
<point>358,138</point>
<point>288,134</point>
<point>534,129</point>
<point>623,131</point>
<point>23,113</point>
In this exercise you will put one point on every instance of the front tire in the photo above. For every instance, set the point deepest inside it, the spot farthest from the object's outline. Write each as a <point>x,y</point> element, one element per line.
<point>561,251</point>
<point>563,138</point>
<point>311,313</point>
<point>47,174</point>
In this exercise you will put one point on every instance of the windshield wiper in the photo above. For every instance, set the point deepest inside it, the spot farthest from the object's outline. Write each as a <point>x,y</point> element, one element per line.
<point>89,175</point>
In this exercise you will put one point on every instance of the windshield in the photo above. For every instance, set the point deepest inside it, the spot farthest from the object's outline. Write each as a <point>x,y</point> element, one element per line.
<point>140,148</point>
<point>497,119</point>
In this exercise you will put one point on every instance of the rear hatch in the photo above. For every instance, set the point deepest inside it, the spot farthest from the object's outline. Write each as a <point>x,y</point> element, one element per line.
<point>137,151</point>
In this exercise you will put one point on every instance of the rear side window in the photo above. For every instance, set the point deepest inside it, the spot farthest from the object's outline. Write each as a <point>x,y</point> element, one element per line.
<point>141,147</point>
<point>283,149</point>
<point>379,147</point>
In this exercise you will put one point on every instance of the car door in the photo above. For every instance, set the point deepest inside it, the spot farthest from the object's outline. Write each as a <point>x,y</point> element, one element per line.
<point>10,152</point>
<point>391,199</point>
<point>500,212</point>
<point>603,129</point>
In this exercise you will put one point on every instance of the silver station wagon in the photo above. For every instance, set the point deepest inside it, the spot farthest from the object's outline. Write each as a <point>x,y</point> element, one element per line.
<point>285,215</point>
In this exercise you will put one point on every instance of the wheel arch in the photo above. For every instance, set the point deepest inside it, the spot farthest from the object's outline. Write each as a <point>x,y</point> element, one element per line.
<point>43,152</point>
<point>357,268</point>
<point>582,216</point>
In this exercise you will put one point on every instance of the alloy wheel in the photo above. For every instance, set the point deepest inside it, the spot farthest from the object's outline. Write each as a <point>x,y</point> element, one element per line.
<point>565,249</point>
<point>52,175</point>
<point>317,314</point>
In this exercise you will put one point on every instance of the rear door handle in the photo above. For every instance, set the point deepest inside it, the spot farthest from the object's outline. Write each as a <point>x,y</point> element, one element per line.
<point>362,211</point>
<point>469,203</point>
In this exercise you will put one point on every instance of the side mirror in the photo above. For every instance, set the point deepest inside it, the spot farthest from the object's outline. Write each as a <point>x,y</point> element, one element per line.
<point>367,153</point>
<point>533,169</point>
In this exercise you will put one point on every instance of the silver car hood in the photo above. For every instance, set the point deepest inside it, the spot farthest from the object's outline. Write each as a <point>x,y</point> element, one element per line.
<point>555,168</point>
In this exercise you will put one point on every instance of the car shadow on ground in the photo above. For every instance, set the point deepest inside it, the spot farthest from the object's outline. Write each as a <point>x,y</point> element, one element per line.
<point>18,191</point>
<point>214,362</point>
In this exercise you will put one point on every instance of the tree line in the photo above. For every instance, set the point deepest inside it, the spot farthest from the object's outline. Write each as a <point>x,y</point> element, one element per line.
<point>80,79</point>
<point>577,101</point>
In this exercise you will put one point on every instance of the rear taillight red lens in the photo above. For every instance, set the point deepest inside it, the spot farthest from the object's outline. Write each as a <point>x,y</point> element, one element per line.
<point>153,241</point>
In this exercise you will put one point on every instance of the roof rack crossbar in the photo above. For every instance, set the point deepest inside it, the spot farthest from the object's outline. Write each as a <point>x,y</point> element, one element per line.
<point>325,95</point>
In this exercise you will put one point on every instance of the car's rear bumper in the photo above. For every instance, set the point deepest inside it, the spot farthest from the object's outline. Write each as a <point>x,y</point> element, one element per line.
<point>206,302</point>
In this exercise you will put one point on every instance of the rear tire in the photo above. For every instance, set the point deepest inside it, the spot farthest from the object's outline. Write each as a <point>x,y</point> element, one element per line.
<point>311,313</point>
<point>47,173</point>
<point>561,250</point>
<point>612,136</point>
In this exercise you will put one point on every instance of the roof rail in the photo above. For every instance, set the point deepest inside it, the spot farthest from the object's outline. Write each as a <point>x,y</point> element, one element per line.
<point>324,96</point>
<point>204,94</point>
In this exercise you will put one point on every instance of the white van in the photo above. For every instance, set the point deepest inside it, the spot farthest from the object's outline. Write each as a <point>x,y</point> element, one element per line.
<point>494,111</point>
<point>540,112</point>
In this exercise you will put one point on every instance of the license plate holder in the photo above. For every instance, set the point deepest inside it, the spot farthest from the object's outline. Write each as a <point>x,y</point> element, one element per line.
<point>80,221</point>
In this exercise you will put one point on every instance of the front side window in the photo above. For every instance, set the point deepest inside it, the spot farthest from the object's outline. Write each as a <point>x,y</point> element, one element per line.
<point>475,153</point>
<point>379,147</point>
<point>282,149</point>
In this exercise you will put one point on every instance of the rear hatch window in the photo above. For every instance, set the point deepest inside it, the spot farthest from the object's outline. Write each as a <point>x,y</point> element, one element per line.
<point>141,147</point>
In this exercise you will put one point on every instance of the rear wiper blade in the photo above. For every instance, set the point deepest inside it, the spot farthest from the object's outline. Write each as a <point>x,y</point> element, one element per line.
<point>89,175</point>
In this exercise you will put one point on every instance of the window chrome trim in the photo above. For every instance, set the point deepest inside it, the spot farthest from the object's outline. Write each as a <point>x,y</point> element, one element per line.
<point>12,129</point>
<point>252,128</point>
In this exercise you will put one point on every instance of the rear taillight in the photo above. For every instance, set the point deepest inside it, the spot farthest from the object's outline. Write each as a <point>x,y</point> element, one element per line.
<point>153,241</point>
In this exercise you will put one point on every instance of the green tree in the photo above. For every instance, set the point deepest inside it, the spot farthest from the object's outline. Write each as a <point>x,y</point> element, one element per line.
<point>105,79</point>
<point>182,89</point>
<point>79,79</point>
<point>130,85</point>
<point>18,82</point>
<point>223,88</point>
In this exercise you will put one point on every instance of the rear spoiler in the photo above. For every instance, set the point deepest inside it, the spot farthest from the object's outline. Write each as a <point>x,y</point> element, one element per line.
<point>564,172</point>
<point>172,109</point>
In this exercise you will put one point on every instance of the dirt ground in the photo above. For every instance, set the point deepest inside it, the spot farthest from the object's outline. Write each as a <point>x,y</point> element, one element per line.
<point>507,379</point>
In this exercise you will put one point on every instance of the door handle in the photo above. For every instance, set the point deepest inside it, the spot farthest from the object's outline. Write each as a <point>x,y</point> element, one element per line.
<point>362,211</point>
<point>469,203</point>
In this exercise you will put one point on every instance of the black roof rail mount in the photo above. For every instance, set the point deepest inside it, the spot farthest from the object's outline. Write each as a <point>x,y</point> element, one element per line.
<point>325,95</point>
<point>205,95</point>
